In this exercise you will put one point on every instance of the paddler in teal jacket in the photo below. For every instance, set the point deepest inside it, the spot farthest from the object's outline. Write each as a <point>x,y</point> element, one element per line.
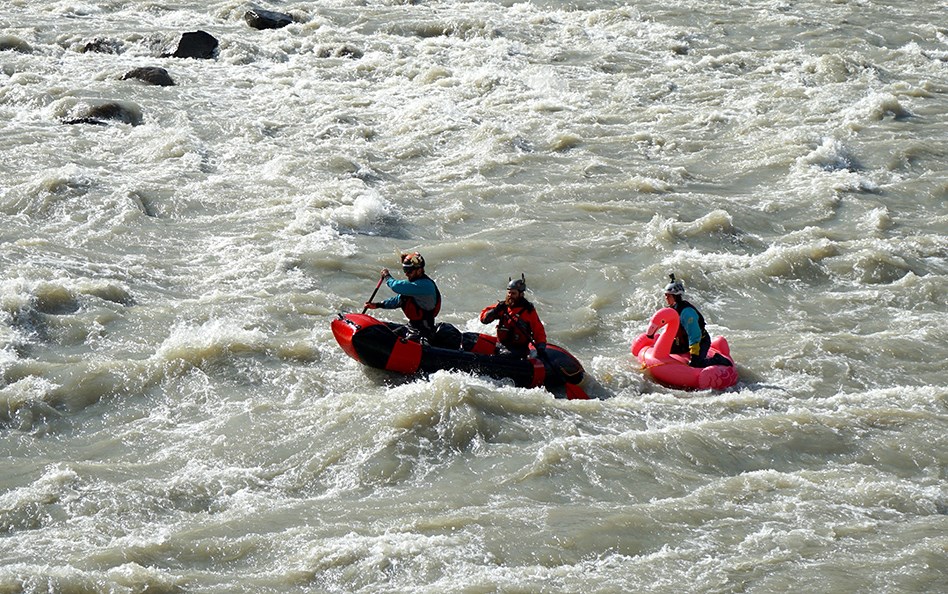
<point>418,296</point>
<point>692,337</point>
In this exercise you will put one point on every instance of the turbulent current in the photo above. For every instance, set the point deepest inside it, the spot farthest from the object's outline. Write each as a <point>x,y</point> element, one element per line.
<point>176,416</point>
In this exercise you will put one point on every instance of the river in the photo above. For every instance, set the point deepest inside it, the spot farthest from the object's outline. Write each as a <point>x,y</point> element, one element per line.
<point>175,415</point>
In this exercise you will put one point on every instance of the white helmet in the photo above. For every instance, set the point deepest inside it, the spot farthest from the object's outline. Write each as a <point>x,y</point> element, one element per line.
<point>675,287</point>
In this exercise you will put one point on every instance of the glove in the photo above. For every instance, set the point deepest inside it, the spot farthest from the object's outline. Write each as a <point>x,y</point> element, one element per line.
<point>695,360</point>
<point>499,309</point>
<point>371,305</point>
<point>541,352</point>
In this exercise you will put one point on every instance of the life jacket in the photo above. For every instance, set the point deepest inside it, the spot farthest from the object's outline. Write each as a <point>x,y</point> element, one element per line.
<point>681,339</point>
<point>421,319</point>
<point>513,331</point>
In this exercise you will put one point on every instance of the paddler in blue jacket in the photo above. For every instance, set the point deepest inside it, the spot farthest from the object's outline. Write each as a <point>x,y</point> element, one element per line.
<point>692,336</point>
<point>418,296</point>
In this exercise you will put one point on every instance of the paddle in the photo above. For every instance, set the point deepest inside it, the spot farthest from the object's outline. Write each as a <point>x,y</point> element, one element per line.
<point>366,308</point>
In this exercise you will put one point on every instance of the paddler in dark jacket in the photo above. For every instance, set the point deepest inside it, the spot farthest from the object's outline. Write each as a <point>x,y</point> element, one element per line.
<point>692,336</point>
<point>518,322</point>
<point>418,296</point>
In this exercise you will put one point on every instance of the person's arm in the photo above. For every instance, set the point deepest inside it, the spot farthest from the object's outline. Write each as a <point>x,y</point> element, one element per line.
<point>537,329</point>
<point>390,303</point>
<point>689,320</point>
<point>418,288</point>
<point>493,312</point>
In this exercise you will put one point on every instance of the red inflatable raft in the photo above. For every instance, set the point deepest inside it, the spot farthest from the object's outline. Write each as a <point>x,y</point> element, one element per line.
<point>383,346</point>
<point>673,370</point>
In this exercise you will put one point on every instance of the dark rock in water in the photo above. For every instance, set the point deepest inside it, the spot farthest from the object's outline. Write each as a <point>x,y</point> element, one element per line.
<point>117,112</point>
<point>100,114</point>
<point>14,43</point>
<point>151,75</point>
<point>102,46</point>
<point>91,121</point>
<point>195,44</point>
<point>266,19</point>
<point>345,51</point>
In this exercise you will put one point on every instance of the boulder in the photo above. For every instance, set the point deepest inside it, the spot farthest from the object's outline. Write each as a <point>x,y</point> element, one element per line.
<point>14,44</point>
<point>343,51</point>
<point>151,75</point>
<point>102,46</point>
<point>101,113</point>
<point>195,44</point>
<point>266,19</point>
<point>91,121</point>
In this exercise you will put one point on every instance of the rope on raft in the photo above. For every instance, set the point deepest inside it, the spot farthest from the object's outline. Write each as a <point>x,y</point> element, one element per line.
<point>644,367</point>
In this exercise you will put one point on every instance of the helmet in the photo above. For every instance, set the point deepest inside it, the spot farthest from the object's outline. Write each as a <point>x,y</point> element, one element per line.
<point>675,287</point>
<point>518,284</point>
<point>412,261</point>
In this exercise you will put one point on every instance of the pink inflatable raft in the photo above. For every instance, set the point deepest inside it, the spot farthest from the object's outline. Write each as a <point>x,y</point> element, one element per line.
<point>673,370</point>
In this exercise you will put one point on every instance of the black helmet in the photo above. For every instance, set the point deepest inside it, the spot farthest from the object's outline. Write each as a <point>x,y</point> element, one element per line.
<point>675,287</point>
<point>519,284</point>
<point>412,261</point>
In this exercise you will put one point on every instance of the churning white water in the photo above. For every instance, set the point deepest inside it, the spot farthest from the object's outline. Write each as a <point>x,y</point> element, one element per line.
<point>175,415</point>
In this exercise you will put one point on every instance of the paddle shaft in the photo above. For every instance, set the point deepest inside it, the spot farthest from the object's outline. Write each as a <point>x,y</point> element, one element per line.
<point>366,308</point>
